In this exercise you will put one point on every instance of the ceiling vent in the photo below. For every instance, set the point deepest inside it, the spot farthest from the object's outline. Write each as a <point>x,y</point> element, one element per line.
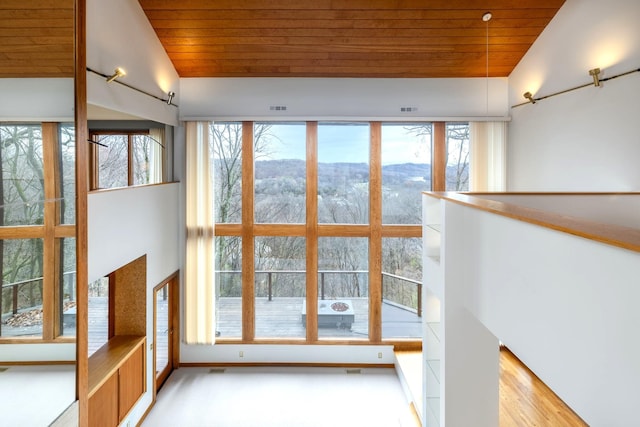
<point>278,108</point>
<point>408,109</point>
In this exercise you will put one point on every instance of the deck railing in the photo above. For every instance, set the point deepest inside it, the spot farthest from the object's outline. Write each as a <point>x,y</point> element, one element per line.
<point>28,293</point>
<point>400,291</point>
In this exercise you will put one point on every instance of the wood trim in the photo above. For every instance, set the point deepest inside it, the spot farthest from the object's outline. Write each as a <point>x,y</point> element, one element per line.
<point>279,230</point>
<point>402,231</point>
<point>614,235</point>
<point>439,160</point>
<point>172,284</point>
<point>227,229</point>
<point>311,232</point>
<point>37,340</point>
<point>292,365</point>
<point>130,167</point>
<point>111,326</point>
<point>375,238</point>
<point>82,187</point>
<point>22,232</point>
<point>50,268</point>
<point>40,362</point>
<point>62,231</point>
<point>343,230</point>
<point>248,243</point>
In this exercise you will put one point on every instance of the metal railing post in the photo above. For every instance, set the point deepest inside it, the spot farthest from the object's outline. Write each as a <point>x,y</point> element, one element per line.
<point>322,285</point>
<point>270,284</point>
<point>15,299</point>
<point>419,300</point>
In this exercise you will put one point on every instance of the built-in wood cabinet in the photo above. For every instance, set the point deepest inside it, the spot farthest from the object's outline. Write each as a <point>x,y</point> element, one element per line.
<point>116,380</point>
<point>117,370</point>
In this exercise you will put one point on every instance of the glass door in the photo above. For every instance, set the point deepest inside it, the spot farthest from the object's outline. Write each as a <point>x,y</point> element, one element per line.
<point>165,335</point>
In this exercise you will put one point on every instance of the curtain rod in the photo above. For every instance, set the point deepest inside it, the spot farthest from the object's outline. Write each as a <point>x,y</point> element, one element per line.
<point>166,101</point>
<point>576,88</point>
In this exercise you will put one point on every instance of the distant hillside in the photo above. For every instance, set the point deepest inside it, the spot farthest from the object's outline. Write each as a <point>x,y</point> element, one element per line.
<point>393,174</point>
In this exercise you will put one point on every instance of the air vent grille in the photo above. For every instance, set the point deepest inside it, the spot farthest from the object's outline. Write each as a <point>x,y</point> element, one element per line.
<point>408,109</point>
<point>278,108</point>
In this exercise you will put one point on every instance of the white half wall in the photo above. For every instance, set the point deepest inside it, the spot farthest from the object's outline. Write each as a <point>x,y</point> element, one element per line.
<point>125,224</point>
<point>343,99</point>
<point>566,306</point>
<point>119,35</point>
<point>585,140</point>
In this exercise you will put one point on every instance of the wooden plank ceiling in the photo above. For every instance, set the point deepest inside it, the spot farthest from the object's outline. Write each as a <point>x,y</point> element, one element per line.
<point>347,38</point>
<point>36,38</point>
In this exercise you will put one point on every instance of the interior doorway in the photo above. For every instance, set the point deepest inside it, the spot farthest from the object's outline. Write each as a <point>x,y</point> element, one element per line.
<point>165,326</point>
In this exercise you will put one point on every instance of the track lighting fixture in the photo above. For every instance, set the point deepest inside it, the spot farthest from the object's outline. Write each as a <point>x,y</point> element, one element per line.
<point>529,97</point>
<point>595,73</point>
<point>170,97</point>
<point>119,72</point>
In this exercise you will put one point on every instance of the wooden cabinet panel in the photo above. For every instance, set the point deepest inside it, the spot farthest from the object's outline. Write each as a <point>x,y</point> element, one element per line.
<point>103,404</point>
<point>131,384</point>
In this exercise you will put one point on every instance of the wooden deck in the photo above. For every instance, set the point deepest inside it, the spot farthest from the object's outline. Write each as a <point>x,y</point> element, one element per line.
<point>282,318</point>
<point>279,318</point>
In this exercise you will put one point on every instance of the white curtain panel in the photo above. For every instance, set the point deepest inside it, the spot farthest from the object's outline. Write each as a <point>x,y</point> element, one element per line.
<point>488,156</point>
<point>199,310</point>
<point>157,156</point>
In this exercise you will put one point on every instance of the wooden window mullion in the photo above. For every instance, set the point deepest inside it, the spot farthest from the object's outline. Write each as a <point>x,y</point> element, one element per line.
<point>248,242</point>
<point>375,237</point>
<point>312,232</point>
<point>51,311</point>
<point>130,166</point>
<point>439,162</point>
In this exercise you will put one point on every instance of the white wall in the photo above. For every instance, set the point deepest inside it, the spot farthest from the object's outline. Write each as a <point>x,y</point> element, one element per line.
<point>126,224</point>
<point>585,140</point>
<point>566,306</point>
<point>37,99</point>
<point>343,98</point>
<point>119,35</point>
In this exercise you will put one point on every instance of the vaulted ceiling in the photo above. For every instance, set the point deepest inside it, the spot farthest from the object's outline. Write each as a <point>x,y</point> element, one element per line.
<point>296,38</point>
<point>347,38</point>
<point>36,38</point>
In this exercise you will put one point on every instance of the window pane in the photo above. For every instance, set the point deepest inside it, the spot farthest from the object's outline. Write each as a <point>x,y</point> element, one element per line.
<point>406,171</point>
<point>280,286</point>
<point>21,287</point>
<point>22,175</point>
<point>147,160</point>
<point>343,173</point>
<point>401,287</point>
<point>228,286</point>
<point>113,161</point>
<point>162,333</point>
<point>98,314</point>
<point>280,172</point>
<point>226,140</point>
<point>67,173</point>
<point>457,156</point>
<point>343,281</point>
<point>68,286</point>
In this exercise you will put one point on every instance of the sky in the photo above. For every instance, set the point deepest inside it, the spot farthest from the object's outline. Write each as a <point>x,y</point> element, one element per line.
<point>350,143</point>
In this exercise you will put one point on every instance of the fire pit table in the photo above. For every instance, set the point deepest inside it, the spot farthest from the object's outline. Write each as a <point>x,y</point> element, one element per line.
<point>332,313</point>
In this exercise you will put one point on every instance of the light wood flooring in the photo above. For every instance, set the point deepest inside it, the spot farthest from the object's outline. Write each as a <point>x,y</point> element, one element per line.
<point>527,401</point>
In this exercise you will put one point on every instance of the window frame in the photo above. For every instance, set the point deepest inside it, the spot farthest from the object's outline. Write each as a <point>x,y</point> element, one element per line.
<point>52,232</point>
<point>94,161</point>
<point>312,230</point>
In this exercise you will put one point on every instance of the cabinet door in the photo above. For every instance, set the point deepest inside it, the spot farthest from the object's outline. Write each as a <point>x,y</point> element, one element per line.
<point>103,405</point>
<point>131,384</point>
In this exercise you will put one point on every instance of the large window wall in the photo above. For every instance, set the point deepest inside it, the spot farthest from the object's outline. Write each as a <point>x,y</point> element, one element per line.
<point>37,232</point>
<point>318,227</point>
